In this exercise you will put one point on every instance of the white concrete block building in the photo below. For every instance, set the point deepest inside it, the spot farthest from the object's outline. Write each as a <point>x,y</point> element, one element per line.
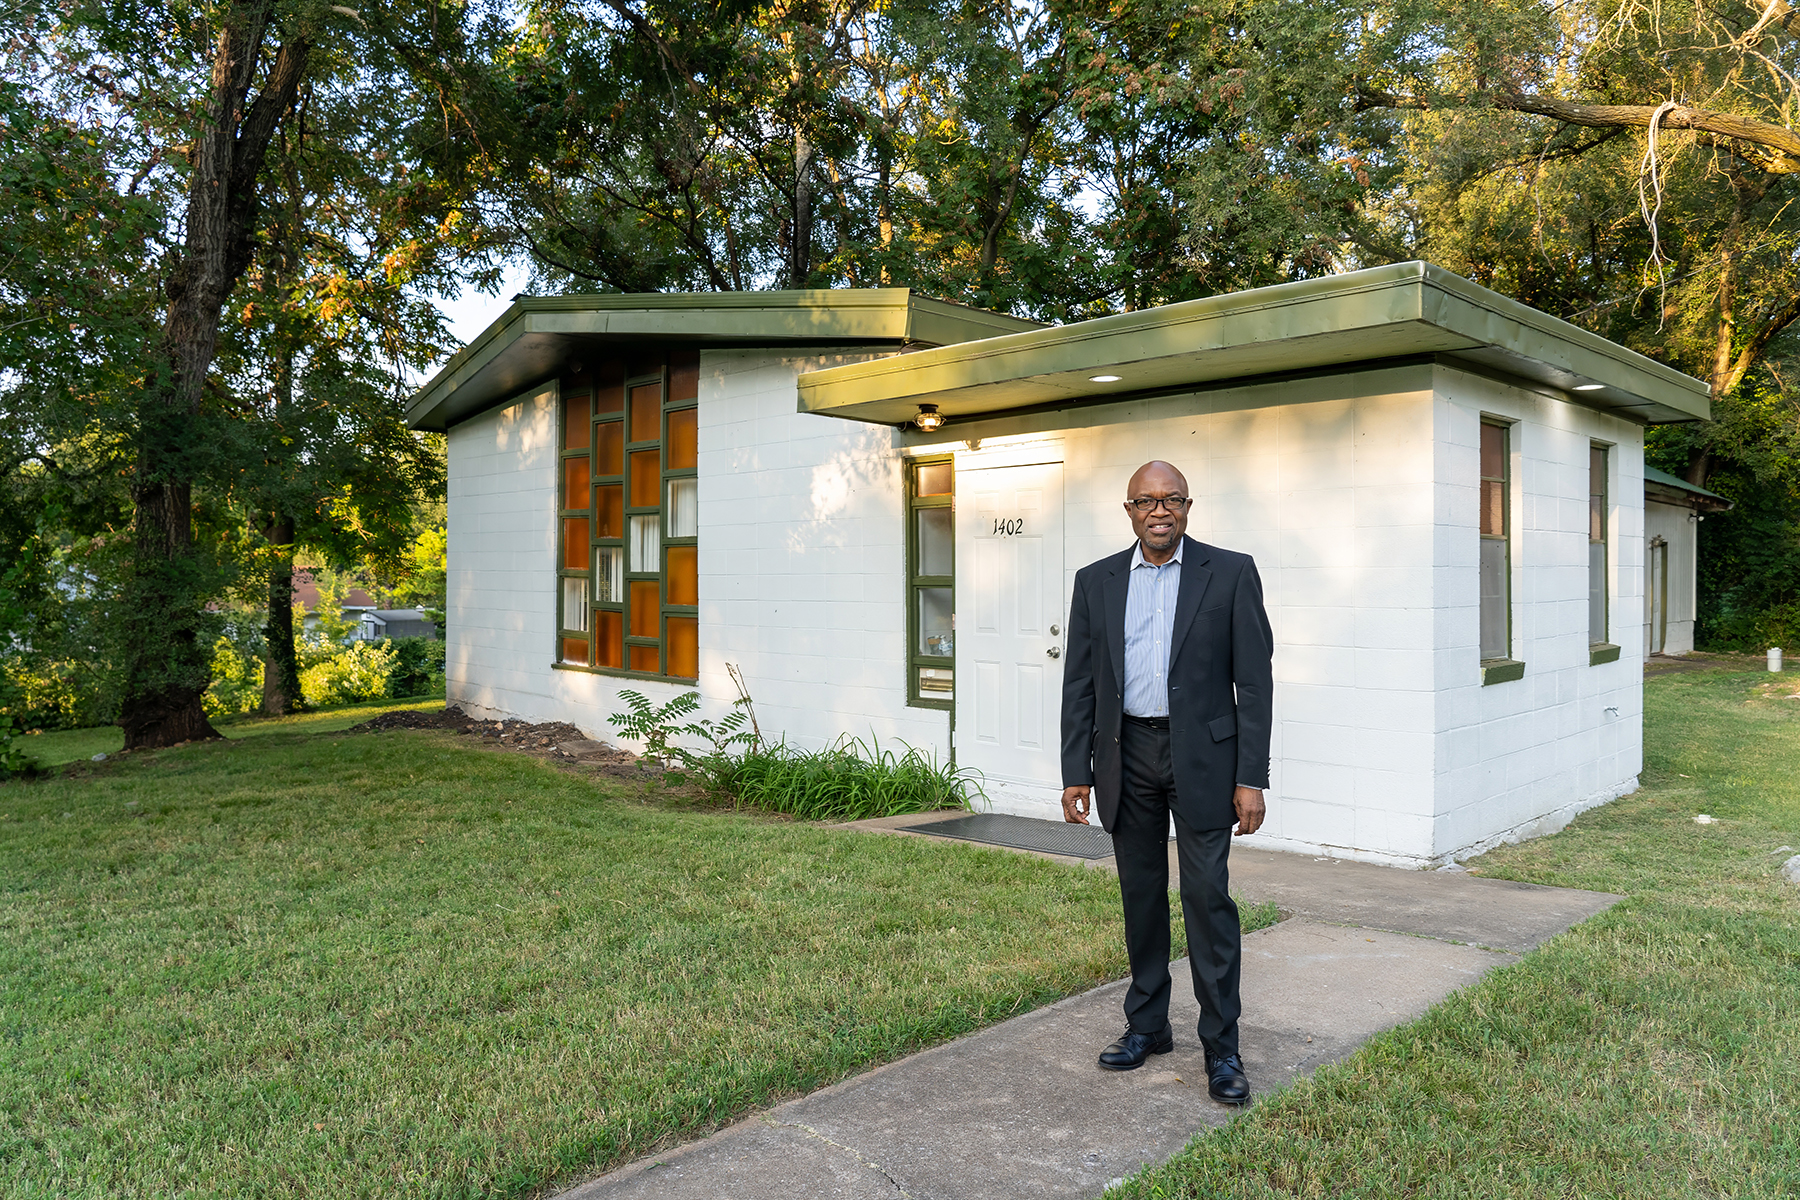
<point>1443,490</point>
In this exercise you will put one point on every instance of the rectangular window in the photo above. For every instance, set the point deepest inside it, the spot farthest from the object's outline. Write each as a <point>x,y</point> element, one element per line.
<point>1597,514</point>
<point>629,566</point>
<point>1496,531</point>
<point>930,582</point>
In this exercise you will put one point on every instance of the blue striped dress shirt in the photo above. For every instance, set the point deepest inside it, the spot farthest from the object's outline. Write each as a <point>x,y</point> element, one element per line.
<point>1149,628</point>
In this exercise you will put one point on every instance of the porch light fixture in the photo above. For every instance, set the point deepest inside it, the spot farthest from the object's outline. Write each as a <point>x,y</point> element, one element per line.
<point>1589,387</point>
<point>929,418</point>
<point>1104,378</point>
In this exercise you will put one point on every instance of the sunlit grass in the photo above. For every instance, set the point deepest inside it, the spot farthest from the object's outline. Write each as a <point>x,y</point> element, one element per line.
<point>404,965</point>
<point>1649,1052</point>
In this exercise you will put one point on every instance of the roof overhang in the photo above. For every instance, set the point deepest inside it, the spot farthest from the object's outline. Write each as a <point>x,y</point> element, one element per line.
<point>1406,310</point>
<point>1669,489</point>
<point>537,336</point>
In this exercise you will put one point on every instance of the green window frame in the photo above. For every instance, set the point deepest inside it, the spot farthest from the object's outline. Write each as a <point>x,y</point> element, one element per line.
<point>1495,564</point>
<point>930,582</point>
<point>633,551</point>
<point>1600,647</point>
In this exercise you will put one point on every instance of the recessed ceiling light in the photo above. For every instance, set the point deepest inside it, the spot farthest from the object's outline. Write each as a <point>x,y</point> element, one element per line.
<point>1589,387</point>
<point>1103,378</point>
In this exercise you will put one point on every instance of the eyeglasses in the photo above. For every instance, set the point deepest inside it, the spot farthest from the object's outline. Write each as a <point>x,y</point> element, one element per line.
<point>1173,503</point>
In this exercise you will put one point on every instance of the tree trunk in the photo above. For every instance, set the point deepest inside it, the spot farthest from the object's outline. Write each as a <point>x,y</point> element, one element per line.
<point>801,266</point>
<point>281,664</point>
<point>164,616</point>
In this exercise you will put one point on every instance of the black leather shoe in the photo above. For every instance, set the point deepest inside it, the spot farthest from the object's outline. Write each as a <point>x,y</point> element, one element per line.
<point>1225,1079</point>
<point>1130,1051</point>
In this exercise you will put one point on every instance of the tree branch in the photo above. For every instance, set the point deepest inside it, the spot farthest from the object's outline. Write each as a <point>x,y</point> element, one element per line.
<point>1781,143</point>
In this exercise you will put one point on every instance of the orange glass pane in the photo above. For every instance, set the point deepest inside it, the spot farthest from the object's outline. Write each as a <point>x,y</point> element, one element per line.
<point>609,393</point>
<point>609,637</point>
<point>575,650</point>
<point>609,448</point>
<point>684,375</point>
<point>576,411</point>
<point>646,478</point>
<point>575,543</point>
<point>609,510</point>
<point>684,647</point>
<point>684,427</point>
<point>1493,508</point>
<point>684,575</point>
<point>644,658</point>
<point>643,608</point>
<point>575,482</point>
<point>1493,451</point>
<point>646,412</point>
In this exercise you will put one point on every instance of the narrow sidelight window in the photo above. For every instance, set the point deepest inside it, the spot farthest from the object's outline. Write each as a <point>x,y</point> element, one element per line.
<point>930,582</point>
<point>630,587</point>
<point>1496,553</point>
<point>1597,548</point>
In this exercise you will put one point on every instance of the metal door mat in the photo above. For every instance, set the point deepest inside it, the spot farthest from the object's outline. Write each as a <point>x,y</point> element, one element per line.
<point>1023,833</point>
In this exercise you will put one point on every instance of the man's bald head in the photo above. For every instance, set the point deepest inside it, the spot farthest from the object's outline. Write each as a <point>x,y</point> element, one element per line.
<point>1159,526</point>
<point>1162,472</point>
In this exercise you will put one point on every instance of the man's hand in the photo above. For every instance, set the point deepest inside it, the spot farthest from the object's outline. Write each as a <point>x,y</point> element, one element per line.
<point>1076,803</point>
<point>1247,800</point>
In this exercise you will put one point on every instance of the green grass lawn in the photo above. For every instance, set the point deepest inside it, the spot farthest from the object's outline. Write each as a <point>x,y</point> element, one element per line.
<point>61,746</point>
<point>1653,1051</point>
<point>315,964</point>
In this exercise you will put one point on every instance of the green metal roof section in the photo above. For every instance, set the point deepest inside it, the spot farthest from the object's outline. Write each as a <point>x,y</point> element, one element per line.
<point>538,335</point>
<point>1655,479</point>
<point>1408,309</point>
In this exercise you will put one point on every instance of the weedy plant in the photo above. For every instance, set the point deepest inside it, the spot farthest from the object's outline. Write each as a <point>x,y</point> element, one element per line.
<point>847,781</point>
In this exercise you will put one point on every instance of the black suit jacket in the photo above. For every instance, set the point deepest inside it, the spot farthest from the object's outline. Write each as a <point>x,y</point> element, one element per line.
<point>1220,683</point>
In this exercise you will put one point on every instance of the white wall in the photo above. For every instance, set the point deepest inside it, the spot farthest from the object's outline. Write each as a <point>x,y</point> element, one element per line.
<point>801,566</point>
<point>1355,493</point>
<point>1328,484</point>
<point>1675,524</point>
<point>1521,758</point>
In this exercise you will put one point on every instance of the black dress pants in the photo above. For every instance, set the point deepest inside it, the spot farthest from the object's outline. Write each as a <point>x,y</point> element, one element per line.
<point>1141,846</point>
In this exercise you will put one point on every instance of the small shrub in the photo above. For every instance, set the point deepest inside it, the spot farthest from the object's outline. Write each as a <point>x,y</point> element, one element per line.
<point>418,666</point>
<point>13,761</point>
<point>346,674</point>
<point>654,725</point>
<point>848,781</point>
<point>237,680</point>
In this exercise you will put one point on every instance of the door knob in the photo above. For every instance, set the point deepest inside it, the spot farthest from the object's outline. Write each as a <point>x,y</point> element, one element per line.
<point>1054,630</point>
<point>1054,652</point>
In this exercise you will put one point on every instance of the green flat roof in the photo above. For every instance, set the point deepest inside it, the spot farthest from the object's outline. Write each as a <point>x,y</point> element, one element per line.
<point>1656,481</point>
<point>533,339</point>
<point>1405,310</point>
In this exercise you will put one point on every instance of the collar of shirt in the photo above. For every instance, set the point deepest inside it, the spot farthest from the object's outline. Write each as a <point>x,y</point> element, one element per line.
<point>1137,556</point>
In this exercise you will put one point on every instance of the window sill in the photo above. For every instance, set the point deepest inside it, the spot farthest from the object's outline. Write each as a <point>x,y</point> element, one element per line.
<point>1602,652</point>
<point>1501,670</point>
<point>621,673</point>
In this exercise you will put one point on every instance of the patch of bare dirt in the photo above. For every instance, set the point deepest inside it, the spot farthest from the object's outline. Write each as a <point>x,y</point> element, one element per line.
<point>557,741</point>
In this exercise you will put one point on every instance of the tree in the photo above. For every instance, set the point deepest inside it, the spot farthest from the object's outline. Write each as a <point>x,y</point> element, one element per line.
<point>168,116</point>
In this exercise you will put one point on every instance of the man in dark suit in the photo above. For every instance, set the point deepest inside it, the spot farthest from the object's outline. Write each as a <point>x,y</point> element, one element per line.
<point>1166,711</point>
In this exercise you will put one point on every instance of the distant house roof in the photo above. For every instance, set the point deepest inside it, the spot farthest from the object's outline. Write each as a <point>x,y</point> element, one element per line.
<point>388,615</point>
<point>306,593</point>
<point>1671,489</point>
<point>534,339</point>
<point>1410,310</point>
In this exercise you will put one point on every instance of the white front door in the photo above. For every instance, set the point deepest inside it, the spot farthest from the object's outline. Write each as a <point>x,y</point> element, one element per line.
<point>1009,606</point>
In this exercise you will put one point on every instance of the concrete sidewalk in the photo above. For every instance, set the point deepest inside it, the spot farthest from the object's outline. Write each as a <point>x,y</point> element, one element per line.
<point>1021,1108</point>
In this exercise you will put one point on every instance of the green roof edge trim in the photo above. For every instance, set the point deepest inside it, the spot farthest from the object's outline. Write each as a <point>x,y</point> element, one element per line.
<point>1653,475</point>
<point>1409,308</point>
<point>526,344</point>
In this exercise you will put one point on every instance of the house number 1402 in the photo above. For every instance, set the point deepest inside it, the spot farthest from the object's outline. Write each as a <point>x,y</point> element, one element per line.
<point>1009,526</point>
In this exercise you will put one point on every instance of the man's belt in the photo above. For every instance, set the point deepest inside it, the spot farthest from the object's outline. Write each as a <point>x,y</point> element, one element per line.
<point>1149,722</point>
